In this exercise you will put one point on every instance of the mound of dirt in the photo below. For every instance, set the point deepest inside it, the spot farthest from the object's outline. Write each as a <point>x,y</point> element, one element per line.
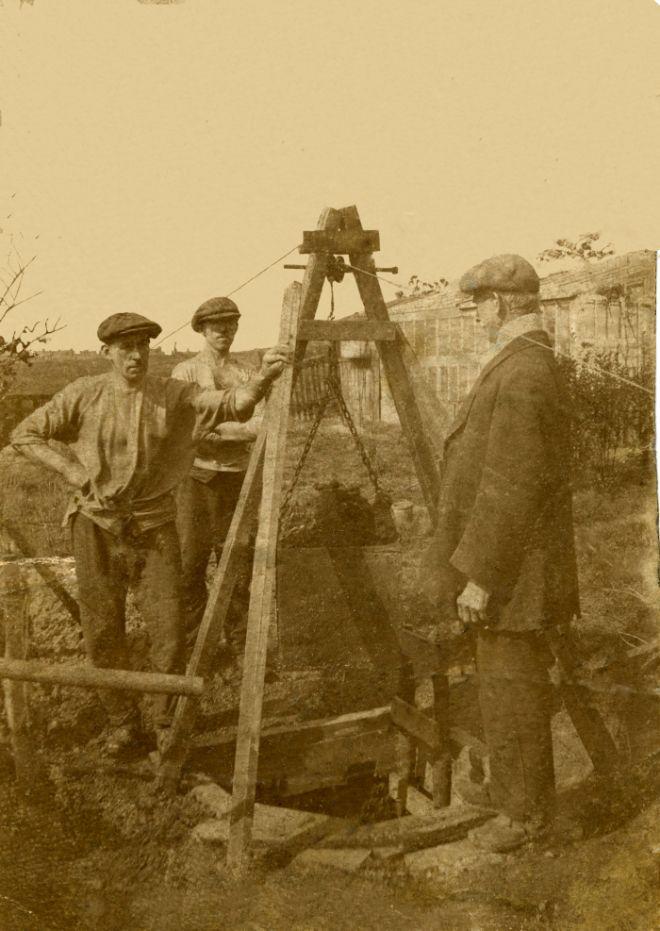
<point>338,515</point>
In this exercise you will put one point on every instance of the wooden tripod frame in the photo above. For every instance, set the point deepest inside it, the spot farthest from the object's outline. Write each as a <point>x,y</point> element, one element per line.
<point>338,231</point>
<point>261,495</point>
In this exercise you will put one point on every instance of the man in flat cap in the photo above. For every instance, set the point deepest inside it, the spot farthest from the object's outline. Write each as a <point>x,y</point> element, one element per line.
<point>130,442</point>
<point>208,495</point>
<point>503,554</point>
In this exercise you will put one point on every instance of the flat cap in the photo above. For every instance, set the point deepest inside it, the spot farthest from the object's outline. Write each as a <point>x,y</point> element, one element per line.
<point>216,308</point>
<point>127,324</point>
<point>501,273</point>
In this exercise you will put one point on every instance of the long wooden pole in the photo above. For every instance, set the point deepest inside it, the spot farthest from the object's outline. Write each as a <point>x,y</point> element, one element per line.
<point>262,598</point>
<point>398,377</point>
<point>124,680</point>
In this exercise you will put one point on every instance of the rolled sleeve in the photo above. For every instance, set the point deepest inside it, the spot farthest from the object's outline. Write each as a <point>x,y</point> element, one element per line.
<point>55,420</point>
<point>212,407</point>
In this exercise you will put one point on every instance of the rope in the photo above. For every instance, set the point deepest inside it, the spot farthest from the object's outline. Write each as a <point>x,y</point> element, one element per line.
<point>591,366</point>
<point>234,291</point>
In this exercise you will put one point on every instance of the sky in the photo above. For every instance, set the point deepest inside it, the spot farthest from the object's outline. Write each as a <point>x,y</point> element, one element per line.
<point>154,155</point>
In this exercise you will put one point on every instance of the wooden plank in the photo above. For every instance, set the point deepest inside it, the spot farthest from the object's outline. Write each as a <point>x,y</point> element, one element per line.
<point>429,657</point>
<point>441,760</point>
<point>303,757</point>
<point>125,680</point>
<point>356,723</point>
<point>340,242</point>
<point>262,596</point>
<point>415,723</point>
<point>50,578</point>
<point>16,699</point>
<point>412,423</point>
<point>412,832</point>
<point>317,266</point>
<point>405,747</point>
<point>356,330</point>
<point>173,754</point>
<point>587,720</point>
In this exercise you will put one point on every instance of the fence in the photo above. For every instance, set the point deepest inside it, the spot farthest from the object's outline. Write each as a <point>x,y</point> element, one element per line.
<point>449,347</point>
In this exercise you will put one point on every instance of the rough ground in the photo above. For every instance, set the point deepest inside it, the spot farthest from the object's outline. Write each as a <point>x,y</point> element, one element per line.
<point>98,849</point>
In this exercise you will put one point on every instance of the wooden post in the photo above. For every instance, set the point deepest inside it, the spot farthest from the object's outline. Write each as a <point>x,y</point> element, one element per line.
<point>262,599</point>
<point>173,754</point>
<point>441,762</point>
<point>15,593</point>
<point>404,747</point>
<point>396,373</point>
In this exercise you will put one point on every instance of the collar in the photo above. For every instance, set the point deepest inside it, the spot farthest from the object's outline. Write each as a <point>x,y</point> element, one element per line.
<point>209,358</point>
<point>509,331</point>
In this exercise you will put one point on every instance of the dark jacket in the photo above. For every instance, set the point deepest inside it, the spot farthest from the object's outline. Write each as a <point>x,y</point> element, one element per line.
<point>505,516</point>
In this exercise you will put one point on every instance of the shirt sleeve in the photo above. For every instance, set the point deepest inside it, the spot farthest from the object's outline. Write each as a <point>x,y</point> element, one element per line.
<point>58,419</point>
<point>211,407</point>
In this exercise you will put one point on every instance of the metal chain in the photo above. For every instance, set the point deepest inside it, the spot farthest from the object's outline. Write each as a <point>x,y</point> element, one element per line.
<point>323,403</point>
<point>334,386</point>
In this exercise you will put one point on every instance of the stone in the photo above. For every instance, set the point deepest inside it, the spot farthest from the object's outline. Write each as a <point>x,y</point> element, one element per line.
<point>347,859</point>
<point>271,826</point>
<point>449,860</point>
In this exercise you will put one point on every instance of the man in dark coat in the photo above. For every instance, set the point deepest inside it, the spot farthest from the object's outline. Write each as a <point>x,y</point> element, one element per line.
<point>503,555</point>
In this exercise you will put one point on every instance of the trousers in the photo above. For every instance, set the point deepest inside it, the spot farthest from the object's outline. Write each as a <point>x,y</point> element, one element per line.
<point>204,513</point>
<point>106,566</point>
<point>517,702</point>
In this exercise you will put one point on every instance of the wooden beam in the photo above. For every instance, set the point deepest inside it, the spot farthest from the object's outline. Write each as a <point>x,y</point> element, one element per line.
<point>94,677</point>
<point>412,832</point>
<point>210,634</point>
<point>14,596</point>
<point>317,266</point>
<point>586,719</point>
<point>172,756</point>
<point>398,379</point>
<point>43,569</point>
<point>415,723</point>
<point>339,242</point>
<point>262,596</point>
<point>340,330</point>
<point>295,758</point>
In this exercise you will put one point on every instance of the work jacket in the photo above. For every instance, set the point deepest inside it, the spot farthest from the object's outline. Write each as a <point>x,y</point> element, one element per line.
<point>504,510</point>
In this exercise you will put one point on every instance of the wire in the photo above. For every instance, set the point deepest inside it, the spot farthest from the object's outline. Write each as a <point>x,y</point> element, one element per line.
<point>238,288</point>
<point>554,350</point>
<point>592,368</point>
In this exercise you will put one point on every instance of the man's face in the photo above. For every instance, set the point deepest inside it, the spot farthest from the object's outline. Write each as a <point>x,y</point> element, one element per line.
<point>129,356</point>
<point>219,334</point>
<point>488,314</point>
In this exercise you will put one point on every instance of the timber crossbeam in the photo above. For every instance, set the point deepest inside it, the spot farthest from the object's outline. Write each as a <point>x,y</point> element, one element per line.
<point>86,677</point>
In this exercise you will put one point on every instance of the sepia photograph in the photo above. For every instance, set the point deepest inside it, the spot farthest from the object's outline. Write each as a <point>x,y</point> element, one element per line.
<point>329,553</point>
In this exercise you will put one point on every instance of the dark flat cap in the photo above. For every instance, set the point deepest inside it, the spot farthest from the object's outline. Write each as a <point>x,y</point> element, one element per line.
<point>216,308</point>
<point>501,273</point>
<point>127,325</point>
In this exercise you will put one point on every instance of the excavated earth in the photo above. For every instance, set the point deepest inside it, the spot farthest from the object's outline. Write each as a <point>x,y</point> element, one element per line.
<point>94,846</point>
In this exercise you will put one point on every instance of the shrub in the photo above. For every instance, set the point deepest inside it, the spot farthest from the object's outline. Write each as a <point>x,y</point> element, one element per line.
<point>611,417</point>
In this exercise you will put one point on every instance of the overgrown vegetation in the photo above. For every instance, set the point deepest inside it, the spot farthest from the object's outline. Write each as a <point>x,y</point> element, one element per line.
<point>612,412</point>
